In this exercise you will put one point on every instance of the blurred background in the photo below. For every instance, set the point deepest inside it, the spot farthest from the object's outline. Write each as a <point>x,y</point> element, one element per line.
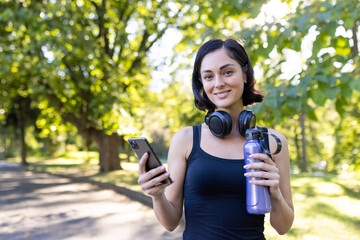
<point>78,78</point>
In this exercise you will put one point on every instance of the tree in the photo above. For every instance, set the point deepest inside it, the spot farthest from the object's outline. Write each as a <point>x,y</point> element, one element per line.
<point>323,35</point>
<point>85,60</point>
<point>20,115</point>
<point>329,72</point>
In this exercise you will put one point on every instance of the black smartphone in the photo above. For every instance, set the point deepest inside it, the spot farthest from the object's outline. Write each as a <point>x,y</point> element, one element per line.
<point>141,145</point>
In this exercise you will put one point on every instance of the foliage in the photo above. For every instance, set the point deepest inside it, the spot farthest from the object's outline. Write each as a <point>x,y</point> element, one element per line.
<point>83,62</point>
<point>87,63</point>
<point>321,39</point>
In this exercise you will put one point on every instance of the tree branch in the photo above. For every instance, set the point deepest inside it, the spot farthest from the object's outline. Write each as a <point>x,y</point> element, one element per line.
<point>103,31</point>
<point>121,36</point>
<point>144,47</point>
<point>355,49</point>
<point>136,63</point>
<point>86,95</point>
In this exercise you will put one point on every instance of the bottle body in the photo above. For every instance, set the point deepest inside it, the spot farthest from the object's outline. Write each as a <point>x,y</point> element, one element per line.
<point>257,197</point>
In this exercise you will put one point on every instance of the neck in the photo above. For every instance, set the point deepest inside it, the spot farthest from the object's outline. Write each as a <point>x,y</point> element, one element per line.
<point>234,114</point>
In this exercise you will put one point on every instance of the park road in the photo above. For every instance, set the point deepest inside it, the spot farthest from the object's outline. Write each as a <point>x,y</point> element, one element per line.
<point>42,206</point>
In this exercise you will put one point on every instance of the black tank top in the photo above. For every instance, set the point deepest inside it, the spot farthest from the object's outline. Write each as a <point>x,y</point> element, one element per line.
<point>214,198</point>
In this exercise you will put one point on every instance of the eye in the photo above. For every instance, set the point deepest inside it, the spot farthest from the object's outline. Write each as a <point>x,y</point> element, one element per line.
<point>207,77</point>
<point>228,72</point>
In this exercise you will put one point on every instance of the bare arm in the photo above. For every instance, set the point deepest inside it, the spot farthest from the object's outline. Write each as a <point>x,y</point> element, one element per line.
<point>168,205</point>
<point>282,214</point>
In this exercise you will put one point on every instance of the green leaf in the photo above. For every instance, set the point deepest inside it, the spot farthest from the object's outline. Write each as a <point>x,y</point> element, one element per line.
<point>294,104</point>
<point>312,115</point>
<point>292,92</point>
<point>302,20</point>
<point>339,105</point>
<point>355,84</point>
<point>295,44</point>
<point>323,15</point>
<point>304,83</point>
<point>321,78</point>
<point>318,97</point>
<point>346,91</point>
<point>332,92</point>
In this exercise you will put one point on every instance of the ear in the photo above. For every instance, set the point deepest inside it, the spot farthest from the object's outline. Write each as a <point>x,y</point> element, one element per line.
<point>245,77</point>
<point>244,71</point>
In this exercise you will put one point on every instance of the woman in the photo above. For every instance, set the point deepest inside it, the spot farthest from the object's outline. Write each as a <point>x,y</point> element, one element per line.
<point>208,171</point>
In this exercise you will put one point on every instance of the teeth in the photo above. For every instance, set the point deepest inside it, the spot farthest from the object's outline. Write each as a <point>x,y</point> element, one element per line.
<point>222,94</point>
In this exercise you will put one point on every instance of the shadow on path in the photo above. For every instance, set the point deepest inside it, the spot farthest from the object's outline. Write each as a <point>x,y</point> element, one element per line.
<point>44,206</point>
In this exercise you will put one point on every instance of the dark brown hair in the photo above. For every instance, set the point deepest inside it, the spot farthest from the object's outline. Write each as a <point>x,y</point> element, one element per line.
<point>237,52</point>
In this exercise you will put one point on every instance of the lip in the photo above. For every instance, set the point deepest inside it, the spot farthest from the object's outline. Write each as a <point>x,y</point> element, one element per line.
<point>222,94</point>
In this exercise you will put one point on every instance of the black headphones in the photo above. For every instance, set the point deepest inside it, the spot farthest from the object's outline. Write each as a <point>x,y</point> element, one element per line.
<point>220,122</point>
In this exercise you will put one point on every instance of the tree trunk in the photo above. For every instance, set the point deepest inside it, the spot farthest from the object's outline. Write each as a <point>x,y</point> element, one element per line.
<point>21,129</point>
<point>303,143</point>
<point>297,147</point>
<point>108,152</point>
<point>108,144</point>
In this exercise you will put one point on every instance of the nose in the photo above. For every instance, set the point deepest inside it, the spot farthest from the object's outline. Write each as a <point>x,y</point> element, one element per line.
<point>219,81</point>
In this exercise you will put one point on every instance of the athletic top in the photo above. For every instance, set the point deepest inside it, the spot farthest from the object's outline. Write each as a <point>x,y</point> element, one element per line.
<point>215,198</point>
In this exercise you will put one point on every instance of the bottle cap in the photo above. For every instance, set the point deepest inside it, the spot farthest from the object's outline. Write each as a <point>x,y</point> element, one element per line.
<point>252,134</point>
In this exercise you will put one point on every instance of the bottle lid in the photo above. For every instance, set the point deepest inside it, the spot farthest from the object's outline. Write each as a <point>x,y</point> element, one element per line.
<point>252,134</point>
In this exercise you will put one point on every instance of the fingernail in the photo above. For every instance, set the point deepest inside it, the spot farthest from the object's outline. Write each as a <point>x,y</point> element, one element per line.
<point>246,174</point>
<point>162,167</point>
<point>246,166</point>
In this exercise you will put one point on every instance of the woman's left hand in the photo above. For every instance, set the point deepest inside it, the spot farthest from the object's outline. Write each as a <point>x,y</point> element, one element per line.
<point>268,171</point>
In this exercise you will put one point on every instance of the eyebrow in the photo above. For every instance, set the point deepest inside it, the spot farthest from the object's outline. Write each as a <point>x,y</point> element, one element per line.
<point>221,68</point>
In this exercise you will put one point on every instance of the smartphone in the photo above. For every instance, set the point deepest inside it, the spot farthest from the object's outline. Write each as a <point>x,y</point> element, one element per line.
<point>141,145</point>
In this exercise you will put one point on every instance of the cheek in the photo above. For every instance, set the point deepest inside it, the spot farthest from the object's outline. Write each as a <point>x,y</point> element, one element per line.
<point>207,88</point>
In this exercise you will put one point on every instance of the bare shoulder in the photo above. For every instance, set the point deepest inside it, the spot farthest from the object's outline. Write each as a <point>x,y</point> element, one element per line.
<point>182,141</point>
<point>183,134</point>
<point>283,156</point>
<point>278,134</point>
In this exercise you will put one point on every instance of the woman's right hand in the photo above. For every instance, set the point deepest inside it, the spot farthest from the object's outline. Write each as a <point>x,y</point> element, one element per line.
<point>150,184</point>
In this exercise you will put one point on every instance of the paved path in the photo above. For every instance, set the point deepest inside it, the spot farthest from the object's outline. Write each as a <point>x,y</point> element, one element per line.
<point>42,206</point>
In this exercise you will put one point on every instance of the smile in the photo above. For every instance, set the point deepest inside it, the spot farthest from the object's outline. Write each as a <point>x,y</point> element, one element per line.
<point>222,94</point>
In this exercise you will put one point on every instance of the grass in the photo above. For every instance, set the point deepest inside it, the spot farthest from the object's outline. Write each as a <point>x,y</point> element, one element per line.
<point>326,207</point>
<point>86,165</point>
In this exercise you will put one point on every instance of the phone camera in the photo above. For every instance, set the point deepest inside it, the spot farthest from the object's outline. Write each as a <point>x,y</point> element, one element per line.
<point>134,145</point>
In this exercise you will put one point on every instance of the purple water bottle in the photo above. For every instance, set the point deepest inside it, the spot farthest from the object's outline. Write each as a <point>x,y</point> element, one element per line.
<point>257,197</point>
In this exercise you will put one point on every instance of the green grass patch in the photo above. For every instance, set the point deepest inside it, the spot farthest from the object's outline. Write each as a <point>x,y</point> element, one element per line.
<point>326,207</point>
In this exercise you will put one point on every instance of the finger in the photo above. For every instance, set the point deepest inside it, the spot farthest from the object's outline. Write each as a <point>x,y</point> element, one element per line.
<point>154,190</point>
<point>265,182</point>
<point>262,175</point>
<point>155,182</point>
<point>263,157</point>
<point>147,176</point>
<point>142,163</point>
<point>262,166</point>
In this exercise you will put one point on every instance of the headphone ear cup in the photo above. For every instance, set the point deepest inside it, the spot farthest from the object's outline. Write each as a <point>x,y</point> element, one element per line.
<point>247,120</point>
<point>219,123</point>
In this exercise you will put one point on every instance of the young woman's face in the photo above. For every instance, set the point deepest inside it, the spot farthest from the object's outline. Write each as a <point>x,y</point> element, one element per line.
<point>223,80</point>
